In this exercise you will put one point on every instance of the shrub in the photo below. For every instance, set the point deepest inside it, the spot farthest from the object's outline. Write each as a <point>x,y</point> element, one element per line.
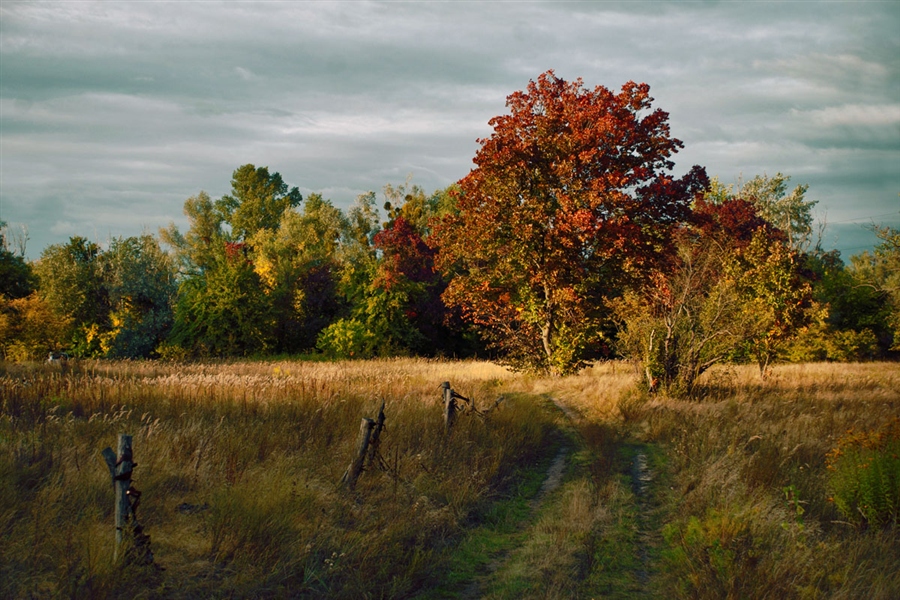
<point>345,338</point>
<point>822,341</point>
<point>865,476</point>
<point>712,557</point>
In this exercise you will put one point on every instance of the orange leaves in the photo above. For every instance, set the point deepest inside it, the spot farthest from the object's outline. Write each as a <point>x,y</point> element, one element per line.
<point>568,201</point>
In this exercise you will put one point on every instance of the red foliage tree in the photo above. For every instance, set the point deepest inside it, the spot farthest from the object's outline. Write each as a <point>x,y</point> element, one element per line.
<point>405,254</point>
<point>735,221</point>
<point>407,266</point>
<point>570,197</point>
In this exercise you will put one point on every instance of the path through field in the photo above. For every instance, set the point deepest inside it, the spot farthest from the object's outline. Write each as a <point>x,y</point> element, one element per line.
<point>559,548</point>
<point>641,479</point>
<point>476,588</point>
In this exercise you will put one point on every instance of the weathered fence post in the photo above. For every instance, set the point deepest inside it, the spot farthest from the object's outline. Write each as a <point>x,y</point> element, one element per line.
<point>376,436</point>
<point>121,464</point>
<point>356,466</point>
<point>449,407</point>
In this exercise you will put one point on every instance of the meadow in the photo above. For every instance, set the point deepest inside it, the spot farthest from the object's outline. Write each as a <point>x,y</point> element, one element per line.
<point>740,492</point>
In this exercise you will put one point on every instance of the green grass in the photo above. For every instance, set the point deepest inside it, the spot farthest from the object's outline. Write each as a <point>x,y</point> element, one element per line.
<point>493,529</point>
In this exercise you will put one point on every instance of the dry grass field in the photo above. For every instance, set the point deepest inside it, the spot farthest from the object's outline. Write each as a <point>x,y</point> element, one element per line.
<point>734,494</point>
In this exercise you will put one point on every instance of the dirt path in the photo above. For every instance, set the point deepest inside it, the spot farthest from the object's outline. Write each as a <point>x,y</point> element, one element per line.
<point>553,479</point>
<point>620,565</point>
<point>641,478</point>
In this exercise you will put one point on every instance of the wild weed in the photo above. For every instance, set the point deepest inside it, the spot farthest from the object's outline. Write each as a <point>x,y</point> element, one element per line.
<point>864,476</point>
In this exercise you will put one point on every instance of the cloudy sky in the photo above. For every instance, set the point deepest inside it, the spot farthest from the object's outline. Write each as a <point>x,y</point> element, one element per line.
<point>112,114</point>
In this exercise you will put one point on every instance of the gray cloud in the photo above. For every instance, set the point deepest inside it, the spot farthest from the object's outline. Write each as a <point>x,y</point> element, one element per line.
<point>112,114</point>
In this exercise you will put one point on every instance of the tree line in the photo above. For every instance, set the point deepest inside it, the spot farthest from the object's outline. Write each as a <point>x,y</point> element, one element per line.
<point>569,241</point>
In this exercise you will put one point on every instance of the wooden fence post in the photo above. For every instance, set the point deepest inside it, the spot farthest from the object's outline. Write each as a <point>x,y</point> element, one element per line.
<point>356,466</point>
<point>121,464</point>
<point>449,407</point>
<point>376,435</point>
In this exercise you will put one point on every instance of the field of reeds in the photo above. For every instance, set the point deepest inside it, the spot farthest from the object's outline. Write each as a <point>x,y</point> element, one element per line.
<point>239,466</point>
<point>746,484</point>
<point>753,489</point>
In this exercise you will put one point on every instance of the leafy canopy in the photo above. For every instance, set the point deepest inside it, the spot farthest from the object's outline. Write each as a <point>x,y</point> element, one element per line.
<point>569,199</point>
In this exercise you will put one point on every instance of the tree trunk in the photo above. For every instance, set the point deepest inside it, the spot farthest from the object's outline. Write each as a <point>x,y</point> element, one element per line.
<point>548,330</point>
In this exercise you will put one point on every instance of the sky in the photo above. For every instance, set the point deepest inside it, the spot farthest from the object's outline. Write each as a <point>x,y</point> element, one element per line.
<point>112,114</point>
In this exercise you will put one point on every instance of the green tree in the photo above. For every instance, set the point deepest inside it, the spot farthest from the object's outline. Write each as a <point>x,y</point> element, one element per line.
<point>880,271</point>
<point>416,207</point>
<point>227,303</point>
<point>71,282</point>
<point>224,312</point>
<point>776,292</point>
<point>199,249</point>
<point>16,277</point>
<point>30,328</point>
<point>140,284</point>
<point>257,201</point>
<point>391,288</point>
<point>298,265</point>
<point>848,320</point>
<point>357,257</point>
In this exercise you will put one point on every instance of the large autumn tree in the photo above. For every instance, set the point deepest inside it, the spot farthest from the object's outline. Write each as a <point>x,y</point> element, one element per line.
<point>570,198</point>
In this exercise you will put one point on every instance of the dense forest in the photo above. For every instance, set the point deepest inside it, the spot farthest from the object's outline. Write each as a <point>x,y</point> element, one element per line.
<point>569,241</point>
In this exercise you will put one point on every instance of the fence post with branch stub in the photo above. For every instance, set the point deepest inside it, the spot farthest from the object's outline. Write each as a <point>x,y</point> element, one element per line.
<point>375,438</point>
<point>449,407</point>
<point>121,464</point>
<point>455,403</point>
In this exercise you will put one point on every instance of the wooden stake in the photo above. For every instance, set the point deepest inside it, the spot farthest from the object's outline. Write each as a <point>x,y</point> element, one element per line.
<point>356,466</point>
<point>449,407</point>
<point>376,435</point>
<point>121,465</point>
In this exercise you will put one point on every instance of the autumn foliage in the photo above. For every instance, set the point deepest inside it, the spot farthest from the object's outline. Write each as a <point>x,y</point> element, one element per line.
<point>570,199</point>
<point>570,240</point>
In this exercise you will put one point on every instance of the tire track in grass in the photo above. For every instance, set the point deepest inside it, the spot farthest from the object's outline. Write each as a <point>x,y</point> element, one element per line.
<point>641,478</point>
<point>487,548</point>
<point>493,561</point>
<point>632,538</point>
<point>552,480</point>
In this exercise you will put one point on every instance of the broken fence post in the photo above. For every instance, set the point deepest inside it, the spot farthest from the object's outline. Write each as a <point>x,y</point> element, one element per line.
<point>449,407</point>
<point>353,471</point>
<point>121,464</point>
<point>376,436</point>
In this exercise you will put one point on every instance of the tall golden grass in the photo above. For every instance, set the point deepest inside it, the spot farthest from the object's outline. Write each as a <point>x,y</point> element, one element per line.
<point>739,505</point>
<point>239,465</point>
<point>750,515</point>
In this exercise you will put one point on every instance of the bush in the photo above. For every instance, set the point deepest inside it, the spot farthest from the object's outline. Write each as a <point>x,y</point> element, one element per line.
<point>712,557</point>
<point>345,338</point>
<point>865,476</point>
<point>822,341</point>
